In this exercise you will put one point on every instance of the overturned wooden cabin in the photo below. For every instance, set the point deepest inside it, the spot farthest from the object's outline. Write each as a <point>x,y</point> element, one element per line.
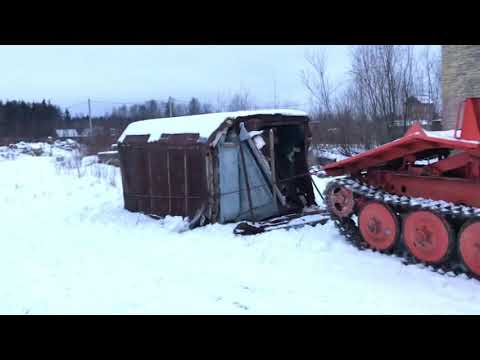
<point>221,167</point>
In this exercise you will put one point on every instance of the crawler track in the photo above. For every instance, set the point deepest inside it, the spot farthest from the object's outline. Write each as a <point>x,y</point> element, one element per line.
<point>456,215</point>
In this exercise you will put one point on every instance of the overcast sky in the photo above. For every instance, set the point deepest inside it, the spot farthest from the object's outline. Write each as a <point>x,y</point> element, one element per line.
<point>69,75</point>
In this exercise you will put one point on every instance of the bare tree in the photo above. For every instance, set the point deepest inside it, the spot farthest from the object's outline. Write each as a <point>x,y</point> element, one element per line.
<point>384,77</point>
<point>372,108</point>
<point>242,100</point>
<point>194,106</point>
<point>432,76</point>
<point>408,78</point>
<point>316,81</point>
<point>222,101</point>
<point>207,108</point>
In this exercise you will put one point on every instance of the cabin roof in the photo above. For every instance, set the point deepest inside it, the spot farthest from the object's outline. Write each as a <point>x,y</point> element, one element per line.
<point>205,124</point>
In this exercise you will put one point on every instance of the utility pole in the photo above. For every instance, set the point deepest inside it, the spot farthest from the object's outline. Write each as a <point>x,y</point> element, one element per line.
<point>275,92</point>
<point>90,117</point>
<point>170,106</point>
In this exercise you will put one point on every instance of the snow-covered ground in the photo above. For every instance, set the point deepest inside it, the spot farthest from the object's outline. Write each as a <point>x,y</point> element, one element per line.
<point>69,247</point>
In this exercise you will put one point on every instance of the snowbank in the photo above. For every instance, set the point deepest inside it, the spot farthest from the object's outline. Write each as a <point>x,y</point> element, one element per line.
<point>57,149</point>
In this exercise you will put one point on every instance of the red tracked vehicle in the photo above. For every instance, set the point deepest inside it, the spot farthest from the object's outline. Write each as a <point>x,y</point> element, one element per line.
<point>418,196</point>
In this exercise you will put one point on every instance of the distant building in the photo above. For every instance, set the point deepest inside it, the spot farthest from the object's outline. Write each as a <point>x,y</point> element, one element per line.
<point>436,125</point>
<point>67,133</point>
<point>460,79</point>
<point>96,130</point>
<point>419,109</point>
<point>114,133</point>
<point>410,122</point>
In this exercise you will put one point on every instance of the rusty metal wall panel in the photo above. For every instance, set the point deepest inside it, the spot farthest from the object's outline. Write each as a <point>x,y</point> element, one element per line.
<point>197,186</point>
<point>134,172</point>
<point>159,182</point>
<point>167,177</point>
<point>134,169</point>
<point>177,175</point>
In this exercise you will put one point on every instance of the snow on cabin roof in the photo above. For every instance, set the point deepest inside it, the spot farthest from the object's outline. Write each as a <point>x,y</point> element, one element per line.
<point>204,124</point>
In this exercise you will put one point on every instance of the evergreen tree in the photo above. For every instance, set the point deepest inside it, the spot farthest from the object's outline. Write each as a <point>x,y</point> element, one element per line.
<point>194,107</point>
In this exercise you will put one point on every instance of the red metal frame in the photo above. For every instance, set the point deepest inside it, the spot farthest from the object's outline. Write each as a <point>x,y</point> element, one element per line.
<point>456,190</point>
<point>455,178</point>
<point>471,116</point>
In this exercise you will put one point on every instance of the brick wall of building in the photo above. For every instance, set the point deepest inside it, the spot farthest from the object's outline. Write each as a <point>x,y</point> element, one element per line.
<point>460,78</point>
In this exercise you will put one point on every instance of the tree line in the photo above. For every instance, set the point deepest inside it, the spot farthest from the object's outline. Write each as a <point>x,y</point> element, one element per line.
<point>121,116</point>
<point>29,120</point>
<point>158,109</point>
<point>22,120</point>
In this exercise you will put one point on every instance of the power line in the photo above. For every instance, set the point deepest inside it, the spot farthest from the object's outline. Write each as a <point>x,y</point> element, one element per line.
<point>76,104</point>
<point>287,105</point>
<point>140,102</point>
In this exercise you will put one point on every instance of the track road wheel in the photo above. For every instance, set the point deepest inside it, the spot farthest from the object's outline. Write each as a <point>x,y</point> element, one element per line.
<point>340,200</point>
<point>379,226</point>
<point>469,246</point>
<point>427,236</point>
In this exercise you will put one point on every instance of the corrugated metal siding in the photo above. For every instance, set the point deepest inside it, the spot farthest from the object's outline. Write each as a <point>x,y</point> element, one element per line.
<point>229,178</point>
<point>261,192</point>
<point>234,203</point>
<point>136,180</point>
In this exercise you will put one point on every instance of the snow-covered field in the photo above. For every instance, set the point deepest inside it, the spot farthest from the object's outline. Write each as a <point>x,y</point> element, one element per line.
<point>69,247</point>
